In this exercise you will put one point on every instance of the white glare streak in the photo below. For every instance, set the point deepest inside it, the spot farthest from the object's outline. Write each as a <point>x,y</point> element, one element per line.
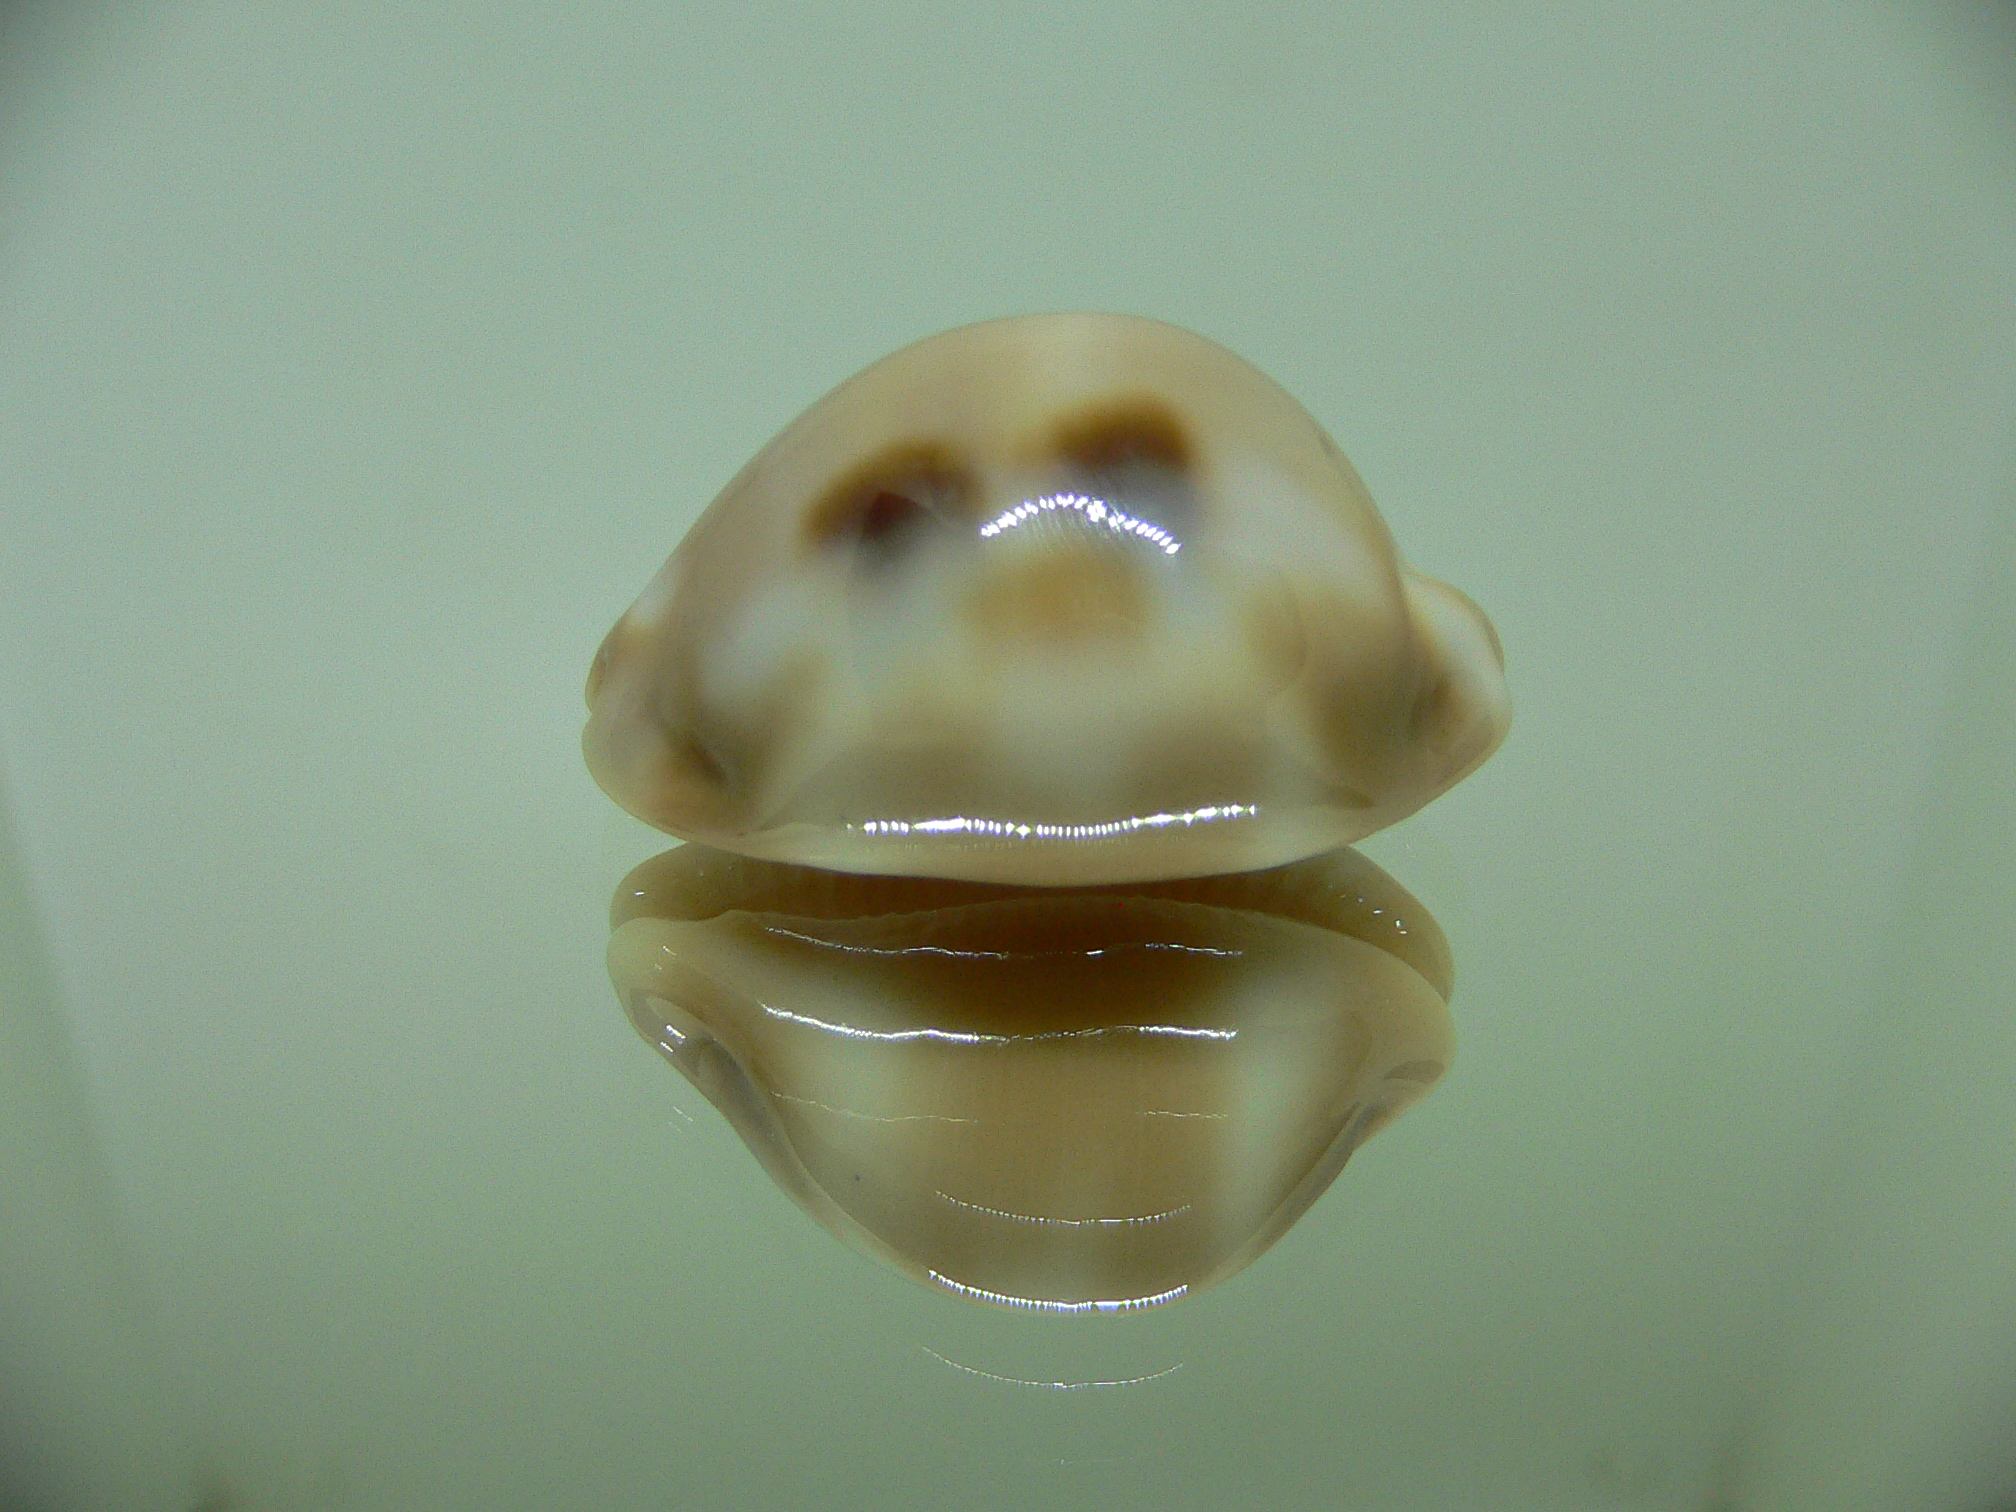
<point>889,1118</point>
<point>888,950</point>
<point>1037,1304</point>
<point>1009,829</point>
<point>990,955</point>
<point>964,1037</point>
<point>992,1212</point>
<point>1097,511</point>
<point>1048,1385</point>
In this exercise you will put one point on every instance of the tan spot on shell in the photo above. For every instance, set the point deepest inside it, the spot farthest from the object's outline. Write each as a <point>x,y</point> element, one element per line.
<point>1064,596</point>
<point>1274,634</point>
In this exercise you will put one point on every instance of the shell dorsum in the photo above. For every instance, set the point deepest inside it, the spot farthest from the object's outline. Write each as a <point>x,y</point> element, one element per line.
<point>1056,600</point>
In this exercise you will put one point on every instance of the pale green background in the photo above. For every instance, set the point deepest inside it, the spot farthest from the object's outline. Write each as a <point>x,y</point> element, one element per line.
<point>359,362</point>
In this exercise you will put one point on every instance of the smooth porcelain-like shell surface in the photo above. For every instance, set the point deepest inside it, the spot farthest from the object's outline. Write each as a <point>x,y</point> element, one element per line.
<point>1069,1101</point>
<point>1057,600</point>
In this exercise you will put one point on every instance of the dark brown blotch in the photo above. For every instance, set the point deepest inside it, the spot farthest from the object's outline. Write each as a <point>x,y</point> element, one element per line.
<point>1125,434</point>
<point>878,506</point>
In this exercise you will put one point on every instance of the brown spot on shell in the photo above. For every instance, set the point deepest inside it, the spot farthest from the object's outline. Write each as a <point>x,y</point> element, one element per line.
<point>1125,433</point>
<point>878,504</point>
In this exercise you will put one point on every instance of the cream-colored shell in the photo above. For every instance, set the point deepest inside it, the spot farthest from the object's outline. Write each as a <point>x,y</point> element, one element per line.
<point>1057,600</point>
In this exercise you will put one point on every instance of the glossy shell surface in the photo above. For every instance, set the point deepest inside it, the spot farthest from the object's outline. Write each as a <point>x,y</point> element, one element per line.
<point>1059,1100</point>
<point>1056,600</point>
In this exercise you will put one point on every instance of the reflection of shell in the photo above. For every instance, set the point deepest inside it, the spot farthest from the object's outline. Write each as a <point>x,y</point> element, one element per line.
<point>1063,600</point>
<point>1071,1101</point>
